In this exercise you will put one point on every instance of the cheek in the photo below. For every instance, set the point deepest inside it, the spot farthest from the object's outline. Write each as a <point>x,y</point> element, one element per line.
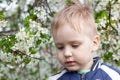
<point>60,57</point>
<point>83,53</point>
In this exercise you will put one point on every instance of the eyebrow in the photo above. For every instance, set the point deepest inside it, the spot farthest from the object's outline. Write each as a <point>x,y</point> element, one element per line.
<point>77,41</point>
<point>58,44</point>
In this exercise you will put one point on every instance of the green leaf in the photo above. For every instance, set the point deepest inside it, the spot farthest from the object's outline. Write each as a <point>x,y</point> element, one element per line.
<point>26,60</point>
<point>32,15</point>
<point>7,42</point>
<point>1,15</point>
<point>117,62</point>
<point>33,72</point>
<point>68,2</point>
<point>38,42</point>
<point>45,36</point>
<point>108,55</point>
<point>100,14</point>
<point>55,70</point>
<point>32,50</point>
<point>26,21</point>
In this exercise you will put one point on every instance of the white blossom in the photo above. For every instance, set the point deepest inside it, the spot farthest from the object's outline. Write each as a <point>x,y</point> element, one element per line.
<point>3,24</point>
<point>3,5</point>
<point>116,57</point>
<point>27,39</point>
<point>11,9</point>
<point>24,15</point>
<point>30,2</point>
<point>22,34</point>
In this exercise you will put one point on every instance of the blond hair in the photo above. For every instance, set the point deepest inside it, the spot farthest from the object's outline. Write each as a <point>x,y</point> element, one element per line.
<point>78,16</point>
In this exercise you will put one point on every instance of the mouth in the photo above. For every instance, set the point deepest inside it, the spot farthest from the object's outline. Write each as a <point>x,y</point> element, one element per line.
<point>70,63</point>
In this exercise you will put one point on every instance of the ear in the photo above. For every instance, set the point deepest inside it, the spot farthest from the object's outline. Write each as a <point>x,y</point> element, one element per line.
<point>96,42</point>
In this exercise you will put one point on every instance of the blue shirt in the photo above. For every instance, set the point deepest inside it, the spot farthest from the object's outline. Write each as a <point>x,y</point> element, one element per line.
<point>99,71</point>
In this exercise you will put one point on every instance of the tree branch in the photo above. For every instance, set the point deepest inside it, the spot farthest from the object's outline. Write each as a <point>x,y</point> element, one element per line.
<point>7,33</point>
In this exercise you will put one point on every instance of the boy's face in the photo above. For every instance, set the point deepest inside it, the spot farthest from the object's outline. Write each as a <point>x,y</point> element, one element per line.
<point>74,49</point>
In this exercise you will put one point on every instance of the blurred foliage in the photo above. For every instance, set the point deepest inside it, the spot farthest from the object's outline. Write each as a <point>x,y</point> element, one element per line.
<point>26,46</point>
<point>108,27</point>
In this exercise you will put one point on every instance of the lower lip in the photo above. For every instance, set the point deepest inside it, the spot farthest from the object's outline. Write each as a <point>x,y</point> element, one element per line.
<point>70,63</point>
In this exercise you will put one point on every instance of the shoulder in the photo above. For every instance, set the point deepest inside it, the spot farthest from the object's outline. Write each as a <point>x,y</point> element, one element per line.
<point>58,75</point>
<point>113,73</point>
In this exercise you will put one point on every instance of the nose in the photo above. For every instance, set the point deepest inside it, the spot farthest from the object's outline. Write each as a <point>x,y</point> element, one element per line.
<point>67,52</point>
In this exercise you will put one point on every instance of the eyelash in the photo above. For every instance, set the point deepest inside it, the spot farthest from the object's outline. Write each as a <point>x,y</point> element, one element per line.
<point>60,48</point>
<point>73,46</point>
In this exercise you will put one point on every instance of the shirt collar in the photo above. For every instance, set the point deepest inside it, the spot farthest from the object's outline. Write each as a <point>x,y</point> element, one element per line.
<point>96,64</point>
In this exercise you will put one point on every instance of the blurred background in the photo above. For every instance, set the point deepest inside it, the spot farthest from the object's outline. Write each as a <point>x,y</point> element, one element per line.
<point>27,50</point>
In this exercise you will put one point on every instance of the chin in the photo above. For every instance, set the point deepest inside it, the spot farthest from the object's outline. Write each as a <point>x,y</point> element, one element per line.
<point>72,69</point>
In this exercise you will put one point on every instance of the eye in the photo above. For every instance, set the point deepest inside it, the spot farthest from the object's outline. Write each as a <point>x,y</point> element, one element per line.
<point>60,47</point>
<point>75,45</point>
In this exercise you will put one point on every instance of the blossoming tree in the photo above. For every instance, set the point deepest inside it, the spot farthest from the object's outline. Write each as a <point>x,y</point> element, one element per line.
<point>26,46</point>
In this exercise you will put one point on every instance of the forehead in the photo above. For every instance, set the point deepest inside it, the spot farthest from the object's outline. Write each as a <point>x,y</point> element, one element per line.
<point>73,22</point>
<point>80,27</point>
<point>66,33</point>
